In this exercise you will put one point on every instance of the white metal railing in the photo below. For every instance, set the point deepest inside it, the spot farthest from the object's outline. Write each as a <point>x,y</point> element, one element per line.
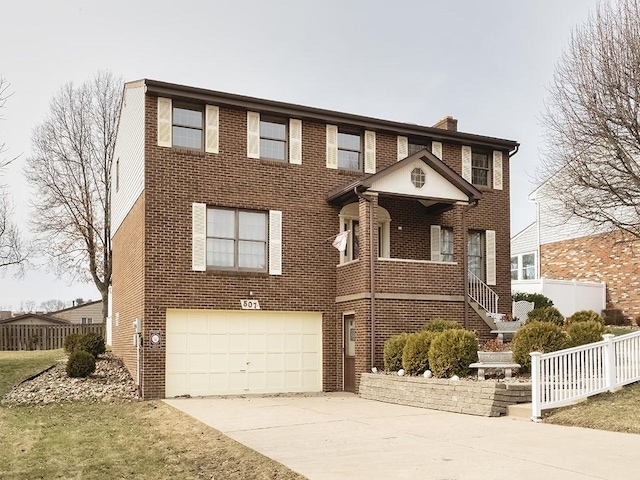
<point>482,294</point>
<point>558,378</point>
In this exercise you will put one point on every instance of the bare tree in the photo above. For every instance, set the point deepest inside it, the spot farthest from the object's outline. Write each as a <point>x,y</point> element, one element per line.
<point>53,305</point>
<point>592,161</point>
<point>70,172</point>
<point>12,249</point>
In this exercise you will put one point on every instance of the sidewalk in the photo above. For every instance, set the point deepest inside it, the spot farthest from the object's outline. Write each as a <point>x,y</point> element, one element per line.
<point>341,436</point>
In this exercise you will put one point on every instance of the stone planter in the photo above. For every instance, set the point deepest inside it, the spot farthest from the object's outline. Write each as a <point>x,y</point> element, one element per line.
<point>509,326</point>
<point>495,357</point>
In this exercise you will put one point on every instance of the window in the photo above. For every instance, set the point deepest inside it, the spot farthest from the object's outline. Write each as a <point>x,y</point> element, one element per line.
<point>349,151</point>
<point>87,320</point>
<point>446,244</point>
<point>475,253</point>
<point>418,177</point>
<point>349,219</point>
<point>480,168</point>
<point>523,266</point>
<point>273,139</point>
<point>236,239</point>
<point>417,145</point>
<point>187,127</point>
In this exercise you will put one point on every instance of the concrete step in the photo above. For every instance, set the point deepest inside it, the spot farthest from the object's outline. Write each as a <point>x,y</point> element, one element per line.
<point>520,411</point>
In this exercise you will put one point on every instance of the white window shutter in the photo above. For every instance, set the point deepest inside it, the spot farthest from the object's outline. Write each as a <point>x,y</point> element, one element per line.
<point>213,118</point>
<point>275,242</point>
<point>436,149</point>
<point>253,135</point>
<point>491,256</point>
<point>164,122</point>
<point>332,146</point>
<point>497,170</point>
<point>435,243</point>
<point>466,164</point>
<point>295,141</point>
<point>199,237</point>
<point>403,147</point>
<point>369,152</point>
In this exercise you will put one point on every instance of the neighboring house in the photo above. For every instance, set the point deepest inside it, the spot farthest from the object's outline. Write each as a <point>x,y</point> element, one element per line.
<point>86,314</point>
<point>224,211</point>
<point>34,319</point>
<point>572,263</point>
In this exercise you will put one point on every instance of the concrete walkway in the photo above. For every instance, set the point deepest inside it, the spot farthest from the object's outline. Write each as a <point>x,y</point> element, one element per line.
<point>341,436</point>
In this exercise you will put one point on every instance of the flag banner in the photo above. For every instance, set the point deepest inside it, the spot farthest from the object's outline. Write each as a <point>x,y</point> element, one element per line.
<point>340,242</point>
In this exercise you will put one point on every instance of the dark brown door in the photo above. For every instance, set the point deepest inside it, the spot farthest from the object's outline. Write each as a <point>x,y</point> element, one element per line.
<point>349,353</point>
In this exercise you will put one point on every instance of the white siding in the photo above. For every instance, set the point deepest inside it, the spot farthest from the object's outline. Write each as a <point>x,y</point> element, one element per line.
<point>526,241</point>
<point>129,149</point>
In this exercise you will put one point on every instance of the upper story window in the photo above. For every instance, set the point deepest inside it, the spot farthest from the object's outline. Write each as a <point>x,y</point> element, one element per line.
<point>349,221</point>
<point>349,151</point>
<point>236,239</point>
<point>415,145</point>
<point>273,139</point>
<point>187,127</point>
<point>523,266</point>
<point>481,168</point>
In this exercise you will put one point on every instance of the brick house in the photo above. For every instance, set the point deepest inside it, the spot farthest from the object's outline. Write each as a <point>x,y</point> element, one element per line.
<point>224,211</point>
<point>601,264</point>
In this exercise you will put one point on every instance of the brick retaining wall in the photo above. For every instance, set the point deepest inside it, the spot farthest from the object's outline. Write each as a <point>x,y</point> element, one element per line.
<point>488,398</point>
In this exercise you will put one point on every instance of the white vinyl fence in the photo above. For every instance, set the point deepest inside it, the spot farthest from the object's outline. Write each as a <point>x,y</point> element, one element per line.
<point>567,375</point>
<point>568,296</point>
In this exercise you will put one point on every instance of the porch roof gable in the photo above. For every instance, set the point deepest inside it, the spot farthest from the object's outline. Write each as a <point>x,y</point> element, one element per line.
<point>441,183</point>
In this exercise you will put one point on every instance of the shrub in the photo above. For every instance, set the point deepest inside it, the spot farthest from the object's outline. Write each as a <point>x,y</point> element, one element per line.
<point>613,316</point>
<point>546,314</point>
<point>440,325</point>
<point>543,337</point>
<point>71,341</point>
<point>392,354</point>
<point>415,356</point>
<point>91,343</point>
<point>583,316</point>
<point>539,300</point>
<point>452,352</point>
<point>81,364</point>
<point>582,333</point>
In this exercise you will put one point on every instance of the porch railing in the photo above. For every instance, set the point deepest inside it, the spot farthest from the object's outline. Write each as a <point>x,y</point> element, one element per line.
<point>567,375</point>
<point>482,294</point>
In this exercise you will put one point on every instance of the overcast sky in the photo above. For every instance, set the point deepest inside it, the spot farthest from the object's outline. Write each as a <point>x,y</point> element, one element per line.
<point>487,63</point>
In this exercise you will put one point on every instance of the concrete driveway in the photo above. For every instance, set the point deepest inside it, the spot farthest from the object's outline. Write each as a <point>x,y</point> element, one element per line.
<point>341,436</point>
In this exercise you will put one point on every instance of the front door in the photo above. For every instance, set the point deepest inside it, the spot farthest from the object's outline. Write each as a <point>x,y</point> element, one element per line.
<point>349,353</point>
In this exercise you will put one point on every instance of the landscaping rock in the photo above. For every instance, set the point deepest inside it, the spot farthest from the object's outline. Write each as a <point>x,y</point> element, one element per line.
<point>110,382</point>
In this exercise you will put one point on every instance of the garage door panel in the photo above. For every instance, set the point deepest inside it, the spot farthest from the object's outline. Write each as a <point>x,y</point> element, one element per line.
<point>234,352</point>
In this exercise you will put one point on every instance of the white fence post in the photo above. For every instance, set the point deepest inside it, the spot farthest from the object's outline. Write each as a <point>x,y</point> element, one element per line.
<point>609,362</point>
<point>536,387</point>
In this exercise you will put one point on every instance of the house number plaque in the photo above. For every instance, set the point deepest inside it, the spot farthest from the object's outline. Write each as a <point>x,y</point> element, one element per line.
<point>250,304</point>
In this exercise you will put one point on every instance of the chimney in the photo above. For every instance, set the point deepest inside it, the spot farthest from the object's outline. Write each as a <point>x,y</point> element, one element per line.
<point>447,123</point>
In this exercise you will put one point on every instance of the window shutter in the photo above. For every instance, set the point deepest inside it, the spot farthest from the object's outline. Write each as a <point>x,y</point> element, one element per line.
<point>212,116</point>
<point>332,146</point>
<point>164,122</point>
<point>295,141</point>
<point>497,170</point>
<point>466,164</point>
<point>435,243</point>
<point>253,135</point>
<point>369,152</point>
<point>491,256</point>
<point>275,242</point>
<point>199,237</point>
<point>403,147</point>
<point>436,149</point>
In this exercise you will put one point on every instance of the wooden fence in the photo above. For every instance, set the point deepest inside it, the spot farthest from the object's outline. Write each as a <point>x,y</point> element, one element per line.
<point>41,337</point>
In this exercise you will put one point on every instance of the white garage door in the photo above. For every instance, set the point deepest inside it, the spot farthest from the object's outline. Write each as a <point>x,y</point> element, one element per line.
<point>214,352</point>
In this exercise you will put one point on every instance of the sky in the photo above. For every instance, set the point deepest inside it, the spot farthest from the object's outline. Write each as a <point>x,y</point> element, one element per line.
<point>487,63</point>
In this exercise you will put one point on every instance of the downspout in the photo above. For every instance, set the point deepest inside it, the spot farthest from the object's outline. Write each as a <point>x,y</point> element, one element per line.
<point>373,274</point>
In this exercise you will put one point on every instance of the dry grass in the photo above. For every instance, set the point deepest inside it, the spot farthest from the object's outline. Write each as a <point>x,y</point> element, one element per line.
<point>133,440</point>
<point>16,366</point>
<point>617,412</point>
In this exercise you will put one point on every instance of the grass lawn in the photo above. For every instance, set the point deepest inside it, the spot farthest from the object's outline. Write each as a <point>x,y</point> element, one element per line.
<point>617,412</point>
<point>138,440</point>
